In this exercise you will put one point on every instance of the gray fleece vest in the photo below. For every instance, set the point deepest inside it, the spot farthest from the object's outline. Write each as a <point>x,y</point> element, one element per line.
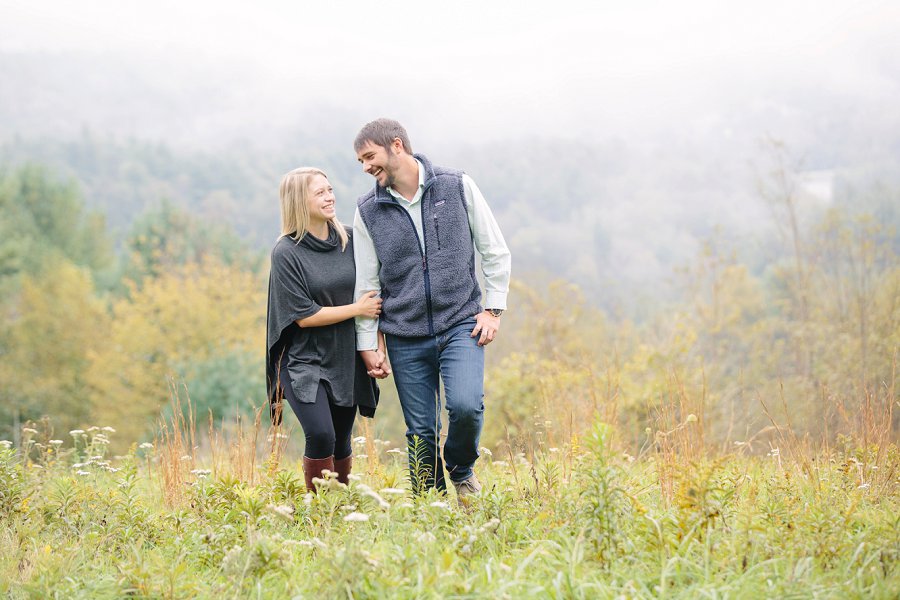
<point>424,294</point>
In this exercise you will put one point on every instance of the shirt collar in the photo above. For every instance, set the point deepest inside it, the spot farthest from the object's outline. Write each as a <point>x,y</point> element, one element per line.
<point>418,195</point>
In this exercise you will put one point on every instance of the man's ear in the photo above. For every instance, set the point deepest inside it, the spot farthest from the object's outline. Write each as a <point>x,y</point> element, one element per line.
<point>397,146</point>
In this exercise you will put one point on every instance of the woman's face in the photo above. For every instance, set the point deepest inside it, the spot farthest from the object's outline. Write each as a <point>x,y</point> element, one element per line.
<point>320,200</point>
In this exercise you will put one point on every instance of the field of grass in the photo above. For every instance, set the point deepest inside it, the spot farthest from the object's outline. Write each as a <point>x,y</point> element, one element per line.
<point>580,521</point>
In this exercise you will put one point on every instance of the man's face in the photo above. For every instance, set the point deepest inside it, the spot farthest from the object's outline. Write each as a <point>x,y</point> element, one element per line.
<point>380,163</point>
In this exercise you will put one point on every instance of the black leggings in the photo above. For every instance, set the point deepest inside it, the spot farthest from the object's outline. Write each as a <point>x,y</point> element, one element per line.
<point>327,428</point>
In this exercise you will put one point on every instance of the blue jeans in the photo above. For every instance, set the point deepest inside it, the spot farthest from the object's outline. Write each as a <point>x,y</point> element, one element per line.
<point>419,364</point>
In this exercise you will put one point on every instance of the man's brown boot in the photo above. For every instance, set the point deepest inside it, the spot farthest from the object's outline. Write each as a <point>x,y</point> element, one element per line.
<point>313,467</point>
<point>343,466</point>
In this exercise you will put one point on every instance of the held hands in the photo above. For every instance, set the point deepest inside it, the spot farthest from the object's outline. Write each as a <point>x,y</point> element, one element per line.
<point>487,325</point>
<point>376,363</point>
<point>368,305</point>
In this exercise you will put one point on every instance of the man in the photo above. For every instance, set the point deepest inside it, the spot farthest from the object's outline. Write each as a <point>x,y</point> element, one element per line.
<point>415,238</point>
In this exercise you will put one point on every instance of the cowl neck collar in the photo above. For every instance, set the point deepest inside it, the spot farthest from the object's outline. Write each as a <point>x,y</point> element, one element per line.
<point>326,245</point>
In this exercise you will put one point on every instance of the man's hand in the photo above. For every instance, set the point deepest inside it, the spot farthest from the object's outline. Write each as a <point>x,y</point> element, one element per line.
<point>487,325</point>
<point>376,363</point>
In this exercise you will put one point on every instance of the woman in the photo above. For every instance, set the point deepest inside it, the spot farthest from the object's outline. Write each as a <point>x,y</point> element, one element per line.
<point>311,357</point>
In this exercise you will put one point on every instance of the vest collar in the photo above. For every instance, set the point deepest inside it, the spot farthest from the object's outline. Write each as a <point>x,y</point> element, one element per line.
<point>383,196</point>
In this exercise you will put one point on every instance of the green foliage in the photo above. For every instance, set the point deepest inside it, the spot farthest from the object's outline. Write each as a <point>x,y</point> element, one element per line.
<point>44,222</point>
<point>741,526</point>
<point>168,237</point>
<point>225,384</point>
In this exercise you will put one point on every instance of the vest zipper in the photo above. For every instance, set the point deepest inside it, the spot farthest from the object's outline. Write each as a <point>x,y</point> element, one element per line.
<point>424,263</point>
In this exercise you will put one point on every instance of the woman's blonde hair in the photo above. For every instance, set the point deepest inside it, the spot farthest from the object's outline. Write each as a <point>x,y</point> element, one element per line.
<point>294,193</point>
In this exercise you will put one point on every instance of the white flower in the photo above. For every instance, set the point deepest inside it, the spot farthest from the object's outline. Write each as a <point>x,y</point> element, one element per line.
<point>29,430</point>
<point>426,537</point>
<point>486,451</point>
<point>82,472</point>
<point>93,428</point>
<point>864,486</point>
<point>186,457</point>
<point>146,446</point>
<point>392,491</point>
<point>439,504</point>
<point>282,511</point>
<point>78,465</point>
<point>553,450</point>
<point>6,444</point>
<point>55,442</point>
<point>349,507</point>
<point>109,430</point>
<point>354,477</point>
<point>361,456</point>
<point>75,432</point>
<point>359,440</point>
<point>396,451</point>
<point>357,517</point>
<point>381,501</point>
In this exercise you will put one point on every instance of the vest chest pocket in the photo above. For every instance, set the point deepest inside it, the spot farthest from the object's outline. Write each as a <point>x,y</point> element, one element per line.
<point>437,228</point>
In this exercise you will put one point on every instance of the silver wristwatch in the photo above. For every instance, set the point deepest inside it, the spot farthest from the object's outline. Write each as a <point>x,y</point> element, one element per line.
<point>495,311</point>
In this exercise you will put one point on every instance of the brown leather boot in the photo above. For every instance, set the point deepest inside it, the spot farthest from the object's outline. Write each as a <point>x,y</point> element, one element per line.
<point>313,467</point>
<point>343,466</point>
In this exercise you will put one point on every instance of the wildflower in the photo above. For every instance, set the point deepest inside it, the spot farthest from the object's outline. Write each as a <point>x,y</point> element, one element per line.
<point>691,418</point>
<point>647,431</point>
<point>93,428</point>
<point>75,432</point>
<point>357,517</point>
<point>353,477</point>
<point>6,444</point>
<point>109,429</point>
<point>282,511</point>
<point>55,442</point>
<point>29,430</point>
<point>374,496</point>
<point>186,457</point>
<point>486,451</point>
<point>396,451</point>
<point>426,537</point>
<point>348,507</point>
<point>864,486</point>
<point>146,446</point>
<point>112,469</point>
<point>392,491</point>
<point>80,472</point>
<point>359,440</point>
<point>439,504</point>
<point>553,450</point>
<point>361,456</point>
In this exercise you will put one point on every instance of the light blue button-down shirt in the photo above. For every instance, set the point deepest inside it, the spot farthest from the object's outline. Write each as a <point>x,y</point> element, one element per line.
<point>489,243</point>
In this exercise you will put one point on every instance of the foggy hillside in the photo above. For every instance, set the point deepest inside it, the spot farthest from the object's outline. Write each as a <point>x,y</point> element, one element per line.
<point>614,205</point>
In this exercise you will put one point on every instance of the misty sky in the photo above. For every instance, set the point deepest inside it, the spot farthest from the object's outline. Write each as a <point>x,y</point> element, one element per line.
<point>556,68</point>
